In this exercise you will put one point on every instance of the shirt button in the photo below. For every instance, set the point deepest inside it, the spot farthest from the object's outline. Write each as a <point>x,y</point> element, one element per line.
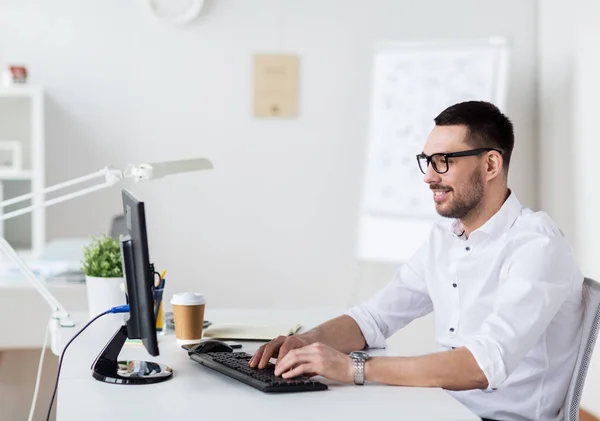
<point>468,248</point>
<point>454,285</point>
<point>451,329</point>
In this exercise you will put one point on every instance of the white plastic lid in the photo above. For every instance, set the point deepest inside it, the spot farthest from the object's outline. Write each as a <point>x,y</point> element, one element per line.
<point>188,299</point>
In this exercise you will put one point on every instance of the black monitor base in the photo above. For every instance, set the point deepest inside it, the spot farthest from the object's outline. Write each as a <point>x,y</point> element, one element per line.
<point>108,369</point>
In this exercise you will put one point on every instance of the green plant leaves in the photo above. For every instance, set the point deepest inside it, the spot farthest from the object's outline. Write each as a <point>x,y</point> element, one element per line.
<point>102,258</point>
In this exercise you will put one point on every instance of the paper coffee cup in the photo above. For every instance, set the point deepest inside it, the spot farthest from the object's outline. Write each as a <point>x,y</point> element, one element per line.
<point>188,316</point>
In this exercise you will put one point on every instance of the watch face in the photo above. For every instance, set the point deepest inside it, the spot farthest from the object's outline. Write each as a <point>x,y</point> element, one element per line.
<point>359,354</point>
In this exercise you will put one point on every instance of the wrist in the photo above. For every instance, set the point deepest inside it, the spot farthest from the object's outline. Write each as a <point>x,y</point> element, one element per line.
<point>369,369</point>
<point>305,338</point>
<point>386,369</point>
<point>350,370</point>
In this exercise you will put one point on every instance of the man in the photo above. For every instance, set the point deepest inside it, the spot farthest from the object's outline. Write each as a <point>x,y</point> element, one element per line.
<point>501,281</point>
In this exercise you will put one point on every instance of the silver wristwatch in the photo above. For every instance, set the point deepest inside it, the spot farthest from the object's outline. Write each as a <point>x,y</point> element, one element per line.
<point>359,358</point>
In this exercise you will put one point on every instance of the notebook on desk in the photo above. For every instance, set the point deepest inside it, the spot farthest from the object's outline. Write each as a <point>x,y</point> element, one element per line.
<point>250,332</point>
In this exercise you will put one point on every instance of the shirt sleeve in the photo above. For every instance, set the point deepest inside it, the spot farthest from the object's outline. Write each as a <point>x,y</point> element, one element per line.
<point>541,273</point>
<point>402,300</point>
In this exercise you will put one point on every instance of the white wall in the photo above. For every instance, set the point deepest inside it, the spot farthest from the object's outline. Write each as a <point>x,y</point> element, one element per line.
<point>555,85</point>
<point>279,211</point>
<point>569,90</point>
<point>274,223</point>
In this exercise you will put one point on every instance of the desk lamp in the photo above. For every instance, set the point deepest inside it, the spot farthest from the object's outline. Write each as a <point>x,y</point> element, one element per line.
<point>111,177</point>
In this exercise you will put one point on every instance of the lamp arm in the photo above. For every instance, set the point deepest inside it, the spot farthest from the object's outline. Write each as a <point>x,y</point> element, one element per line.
<point>111,177</point>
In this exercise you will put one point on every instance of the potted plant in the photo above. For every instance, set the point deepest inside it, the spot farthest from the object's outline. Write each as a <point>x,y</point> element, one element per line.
<point>103,274</point>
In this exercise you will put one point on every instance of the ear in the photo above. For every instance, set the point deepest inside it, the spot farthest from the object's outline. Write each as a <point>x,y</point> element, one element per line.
<point>493,165</point>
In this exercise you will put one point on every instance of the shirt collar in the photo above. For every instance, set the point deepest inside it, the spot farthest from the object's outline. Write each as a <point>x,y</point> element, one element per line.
<point>499,222</point>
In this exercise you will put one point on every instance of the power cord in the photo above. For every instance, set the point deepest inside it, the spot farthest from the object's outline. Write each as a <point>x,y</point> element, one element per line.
<point>39,374</point>
<point>119,309</point>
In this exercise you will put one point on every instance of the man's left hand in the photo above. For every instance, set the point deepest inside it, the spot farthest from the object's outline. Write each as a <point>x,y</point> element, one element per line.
<point>316,359</point>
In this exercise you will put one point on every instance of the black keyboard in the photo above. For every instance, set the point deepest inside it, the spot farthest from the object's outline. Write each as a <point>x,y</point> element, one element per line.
<point>235,365</point>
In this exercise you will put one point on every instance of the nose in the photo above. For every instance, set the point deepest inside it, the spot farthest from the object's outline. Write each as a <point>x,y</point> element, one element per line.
<point>431,176</point>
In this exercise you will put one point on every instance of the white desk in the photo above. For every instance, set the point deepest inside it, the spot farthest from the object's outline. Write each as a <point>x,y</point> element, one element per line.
<point>25,313</point>
<point>196,391</point>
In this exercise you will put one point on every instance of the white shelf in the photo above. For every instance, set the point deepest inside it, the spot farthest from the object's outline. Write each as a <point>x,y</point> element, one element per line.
<point>20,91</point>
<point>15,175</point>
<point>22,118</point>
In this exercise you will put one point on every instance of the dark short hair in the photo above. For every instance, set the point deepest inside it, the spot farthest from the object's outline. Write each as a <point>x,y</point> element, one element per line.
<point>487,127</point>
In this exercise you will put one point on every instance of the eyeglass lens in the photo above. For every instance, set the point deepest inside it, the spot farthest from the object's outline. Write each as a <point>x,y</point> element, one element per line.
<point>438,162</point>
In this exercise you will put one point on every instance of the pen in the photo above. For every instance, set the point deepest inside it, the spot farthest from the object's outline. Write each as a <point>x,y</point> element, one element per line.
<point>294,330</point>
<point>158,296</point>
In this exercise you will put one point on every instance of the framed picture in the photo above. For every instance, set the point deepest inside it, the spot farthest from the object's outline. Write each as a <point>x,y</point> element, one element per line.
<point>10,155</point>
<point>14,75</point>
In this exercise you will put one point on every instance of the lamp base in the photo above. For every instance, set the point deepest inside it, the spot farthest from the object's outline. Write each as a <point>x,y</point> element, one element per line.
<point>108,369</point>
<point>66,323</point>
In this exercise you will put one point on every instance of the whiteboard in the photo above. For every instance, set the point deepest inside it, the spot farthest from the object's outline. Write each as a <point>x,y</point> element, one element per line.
<point>411,84</point>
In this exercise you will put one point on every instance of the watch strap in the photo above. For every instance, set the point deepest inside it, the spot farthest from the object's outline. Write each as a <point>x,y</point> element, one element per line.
<point>359,371</point>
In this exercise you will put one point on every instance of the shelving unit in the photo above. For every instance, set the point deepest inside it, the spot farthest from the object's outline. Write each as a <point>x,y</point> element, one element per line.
<point>22,120</point>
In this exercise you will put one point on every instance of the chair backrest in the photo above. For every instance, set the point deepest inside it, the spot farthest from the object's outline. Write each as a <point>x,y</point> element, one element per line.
<point>117,226</point>
<point>589,334</point>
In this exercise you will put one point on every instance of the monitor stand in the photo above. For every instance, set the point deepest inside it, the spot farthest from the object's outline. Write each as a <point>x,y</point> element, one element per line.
<point>108,369</point>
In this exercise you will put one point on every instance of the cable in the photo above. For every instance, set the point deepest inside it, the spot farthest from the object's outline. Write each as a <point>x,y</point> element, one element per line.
<point>39,375</point>
<point>61,360</point>
<point>119,309</point>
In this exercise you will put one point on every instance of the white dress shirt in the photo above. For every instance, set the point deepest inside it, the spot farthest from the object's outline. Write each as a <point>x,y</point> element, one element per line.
<point>511,293</point>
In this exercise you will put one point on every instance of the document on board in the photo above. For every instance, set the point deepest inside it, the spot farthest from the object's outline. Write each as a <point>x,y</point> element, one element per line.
<point>275,85</point>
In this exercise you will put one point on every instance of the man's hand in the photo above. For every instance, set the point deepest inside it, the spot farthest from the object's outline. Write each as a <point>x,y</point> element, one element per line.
<point>278,347</point>
<point>316,359</point>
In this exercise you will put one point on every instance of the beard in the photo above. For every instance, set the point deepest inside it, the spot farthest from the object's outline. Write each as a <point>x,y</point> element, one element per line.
<point>463,202</point>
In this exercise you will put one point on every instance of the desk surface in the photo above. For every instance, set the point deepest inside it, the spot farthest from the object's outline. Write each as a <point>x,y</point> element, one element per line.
<point>199,392</point>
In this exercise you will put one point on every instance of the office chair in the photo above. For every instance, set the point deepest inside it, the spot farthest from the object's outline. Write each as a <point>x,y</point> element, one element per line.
<point>591,325</point>
<point>117,226</point>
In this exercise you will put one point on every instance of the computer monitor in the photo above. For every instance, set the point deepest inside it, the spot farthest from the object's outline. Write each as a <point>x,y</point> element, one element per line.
<point>139,274</point>
<point>141,324</point>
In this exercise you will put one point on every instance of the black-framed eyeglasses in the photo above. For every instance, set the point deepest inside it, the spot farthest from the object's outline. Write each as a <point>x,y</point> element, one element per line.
<point>439,161</point>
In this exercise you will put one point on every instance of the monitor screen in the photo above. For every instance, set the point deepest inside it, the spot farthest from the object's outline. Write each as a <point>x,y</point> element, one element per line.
<point>139,274</point>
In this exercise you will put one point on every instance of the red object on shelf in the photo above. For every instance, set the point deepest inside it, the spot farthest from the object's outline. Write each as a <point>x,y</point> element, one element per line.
<point>19,74</point>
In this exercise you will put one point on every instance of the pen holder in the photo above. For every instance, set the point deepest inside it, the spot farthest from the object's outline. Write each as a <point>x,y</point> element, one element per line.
<point>158,310</point>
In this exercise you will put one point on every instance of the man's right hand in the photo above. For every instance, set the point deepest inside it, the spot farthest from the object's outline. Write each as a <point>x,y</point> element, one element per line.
<point>277,347</point>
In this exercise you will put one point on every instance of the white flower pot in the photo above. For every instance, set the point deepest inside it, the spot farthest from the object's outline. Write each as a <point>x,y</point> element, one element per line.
<point>104,294</point>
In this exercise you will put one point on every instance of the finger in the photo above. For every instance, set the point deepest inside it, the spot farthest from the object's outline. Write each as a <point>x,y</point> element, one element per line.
<point>256,357</point>
<point>287,346</point>
<point>284,350</point>
<point>270,349</point>
<point>300,370</point>
<point>293,358</point>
